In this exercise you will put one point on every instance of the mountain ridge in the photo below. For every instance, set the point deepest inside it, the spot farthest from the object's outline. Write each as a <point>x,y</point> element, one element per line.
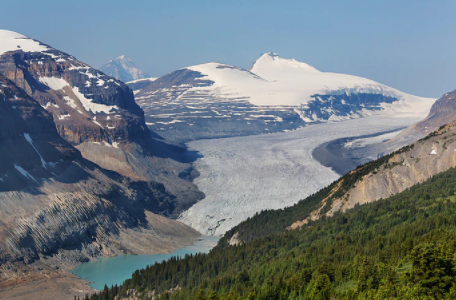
<point>59,209</point>
<point>97,114</point>
<point>219,100</point>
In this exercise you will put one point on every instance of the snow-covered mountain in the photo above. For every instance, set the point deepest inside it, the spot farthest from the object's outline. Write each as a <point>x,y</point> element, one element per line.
<point>123,69</point>
<point>276,94</point>
<point>94,112</point>
<point>87,105</point>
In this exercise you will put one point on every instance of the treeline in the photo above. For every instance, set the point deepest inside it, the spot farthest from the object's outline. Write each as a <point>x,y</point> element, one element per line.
<point>402,247</point>
<point>276,221</point>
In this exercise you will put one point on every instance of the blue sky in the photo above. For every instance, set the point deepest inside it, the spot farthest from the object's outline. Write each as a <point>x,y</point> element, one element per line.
<point>409,45</point>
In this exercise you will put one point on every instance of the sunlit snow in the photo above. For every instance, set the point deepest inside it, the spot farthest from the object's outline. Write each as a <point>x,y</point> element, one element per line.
<point>12,41</point>
<point>54,83</point>
<point>94,107</point>
<point>29,139</point>
<point>274,81</point>
<point>24,173</point>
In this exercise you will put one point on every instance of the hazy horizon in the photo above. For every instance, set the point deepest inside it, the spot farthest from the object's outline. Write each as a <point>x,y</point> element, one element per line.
<point>404,45</point>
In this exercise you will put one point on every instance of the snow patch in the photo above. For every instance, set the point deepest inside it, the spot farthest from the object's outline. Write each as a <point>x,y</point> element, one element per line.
<point>69,102</point>
<point>64,117</point>
<point>54,83</point>
<point>100,82</point>
<point>24,173</point>
<point>29,139</point>
<point>144,79</point>
<point>93,107</point>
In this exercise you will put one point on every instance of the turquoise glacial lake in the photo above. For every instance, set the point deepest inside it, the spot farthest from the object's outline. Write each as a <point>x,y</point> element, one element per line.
<point>114,270</point>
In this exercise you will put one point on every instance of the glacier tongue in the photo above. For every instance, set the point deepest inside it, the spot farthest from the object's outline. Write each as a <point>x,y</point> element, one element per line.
<point>243,175</point>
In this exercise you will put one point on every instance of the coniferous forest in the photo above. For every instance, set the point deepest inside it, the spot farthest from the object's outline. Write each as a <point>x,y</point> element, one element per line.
<point>397,248</point>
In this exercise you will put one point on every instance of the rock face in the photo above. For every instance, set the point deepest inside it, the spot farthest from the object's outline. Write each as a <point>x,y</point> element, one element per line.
<point>88,106</point>
<point>275,94</point>
<point>58,207</point>
<point>409,166</point>
<point>442,112</point>
<point>123,69</point>
<point>31,149</point>
<point>96,113</point>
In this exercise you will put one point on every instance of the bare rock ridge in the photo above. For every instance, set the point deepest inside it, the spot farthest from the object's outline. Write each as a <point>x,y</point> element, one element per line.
<point>442,112</point>
<point>123,69</point>
<point>57,207</point>
<point>96,113</point>
<point>393,173</point>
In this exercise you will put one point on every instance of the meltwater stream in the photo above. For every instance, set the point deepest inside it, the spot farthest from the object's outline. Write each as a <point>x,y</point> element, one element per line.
<point>115,270</point>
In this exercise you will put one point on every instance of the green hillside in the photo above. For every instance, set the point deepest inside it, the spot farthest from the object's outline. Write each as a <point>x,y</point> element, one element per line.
<point>402,248</point>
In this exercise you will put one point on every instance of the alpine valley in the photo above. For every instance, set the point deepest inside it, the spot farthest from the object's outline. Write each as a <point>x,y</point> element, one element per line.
<point>81,175</point>
<point>385,230</point>
<point>201,106</point>
<point>275,160</point>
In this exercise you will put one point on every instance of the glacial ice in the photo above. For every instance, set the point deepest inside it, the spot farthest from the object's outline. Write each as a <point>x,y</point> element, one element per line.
<point>241,176</point>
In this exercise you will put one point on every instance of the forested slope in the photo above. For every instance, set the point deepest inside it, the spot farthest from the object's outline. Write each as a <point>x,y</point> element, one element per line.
<point>401,247</point>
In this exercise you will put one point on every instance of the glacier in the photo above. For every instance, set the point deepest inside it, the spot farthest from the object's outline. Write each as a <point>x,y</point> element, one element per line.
<point>241,176</point>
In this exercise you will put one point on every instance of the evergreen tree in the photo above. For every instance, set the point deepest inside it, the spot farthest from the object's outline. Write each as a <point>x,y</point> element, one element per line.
<point>322,288</point>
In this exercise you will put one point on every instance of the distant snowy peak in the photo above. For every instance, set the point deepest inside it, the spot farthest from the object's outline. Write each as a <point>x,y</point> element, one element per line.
<point>270,64</point>
<point>123,69</point>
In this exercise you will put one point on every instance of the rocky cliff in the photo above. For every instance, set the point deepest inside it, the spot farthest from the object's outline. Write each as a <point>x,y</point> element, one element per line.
<point>59,208</point>
<point>96,113</point>
<point>442,112</point>
<point>392,174</point>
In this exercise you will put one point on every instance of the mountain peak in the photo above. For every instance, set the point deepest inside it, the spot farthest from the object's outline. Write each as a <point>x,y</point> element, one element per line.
<point>271,54</point>
<point>122,68</point>
<point>13,41</point>
<point>11,34</point>
<point>271,63</point>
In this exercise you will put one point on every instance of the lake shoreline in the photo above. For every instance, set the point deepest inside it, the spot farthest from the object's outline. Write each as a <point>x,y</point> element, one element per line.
<point>115,270</point>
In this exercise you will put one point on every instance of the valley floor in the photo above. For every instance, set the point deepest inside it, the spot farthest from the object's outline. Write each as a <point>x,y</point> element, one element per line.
<point>50,278</point>
<point>45,285</point>
<point>243,175</point>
